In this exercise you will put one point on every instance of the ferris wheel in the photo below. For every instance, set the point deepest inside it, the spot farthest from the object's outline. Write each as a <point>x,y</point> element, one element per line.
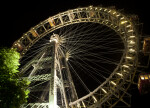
<point>80,58</point>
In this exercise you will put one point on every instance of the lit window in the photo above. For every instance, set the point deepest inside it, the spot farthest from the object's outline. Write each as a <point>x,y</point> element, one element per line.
<point>146,76</point>
<point>142,77</point>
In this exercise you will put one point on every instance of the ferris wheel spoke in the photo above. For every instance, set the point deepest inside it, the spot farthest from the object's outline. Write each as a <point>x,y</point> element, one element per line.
<point>93,69</point>
<point>99,71</point>
<point>99,57</point>
<point>90,47</point>
<point>85,33</point>
<point>90,71</point>
<point>99,50</point>
<point>34,53</point>
<point>79,78</point>
<point>100,67</point>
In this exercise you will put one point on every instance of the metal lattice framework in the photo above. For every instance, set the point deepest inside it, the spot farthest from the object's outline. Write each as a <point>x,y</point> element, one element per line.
<point>114,89</point>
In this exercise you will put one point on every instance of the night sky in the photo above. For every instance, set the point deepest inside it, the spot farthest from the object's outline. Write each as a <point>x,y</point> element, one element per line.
<point>18,17</point>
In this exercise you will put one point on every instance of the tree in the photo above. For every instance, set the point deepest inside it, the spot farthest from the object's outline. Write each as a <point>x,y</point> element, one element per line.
<point>13,89</point>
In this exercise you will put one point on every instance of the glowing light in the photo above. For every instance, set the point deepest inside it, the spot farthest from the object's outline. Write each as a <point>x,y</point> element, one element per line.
<point>129,57</point>
<point>95,100</point>
<point>123,22</point>
<point>142,78</point>
<point>52,106</point>
<point>126,66</point>
<point>109,11</point>
<point>132,42</point>
<point>54,40</point>
<point>120,74</point>
<point>114,13</point>
<point>104,90</point>
<point>105,9</point>
<point>146,76</point>
<point>132,36</point>
<point>122,18</point>
<point>83,104</point>
<point>131,50</point>
<point>78,105</point>
<point>118,15</point>
<point>91,7</point>
<point>113,83</point>
<point>124,71</point>
<point>128,26</point>
<point>130,31</point>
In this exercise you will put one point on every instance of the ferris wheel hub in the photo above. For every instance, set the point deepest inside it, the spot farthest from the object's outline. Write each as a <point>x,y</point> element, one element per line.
<point>55,38</point>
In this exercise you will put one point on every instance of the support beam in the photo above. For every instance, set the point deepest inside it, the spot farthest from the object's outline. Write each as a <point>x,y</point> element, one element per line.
<point>43,77</point>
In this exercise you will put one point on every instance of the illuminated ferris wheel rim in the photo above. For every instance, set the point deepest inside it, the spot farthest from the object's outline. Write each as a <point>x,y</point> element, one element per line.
<point>106,16</point>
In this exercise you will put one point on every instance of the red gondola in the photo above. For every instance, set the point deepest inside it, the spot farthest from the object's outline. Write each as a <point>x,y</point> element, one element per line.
<point>144,83</point>
<point>33,32</point>
<point>51,22</point>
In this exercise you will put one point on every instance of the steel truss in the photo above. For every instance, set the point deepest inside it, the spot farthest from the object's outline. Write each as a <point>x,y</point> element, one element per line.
<point>111,92</point>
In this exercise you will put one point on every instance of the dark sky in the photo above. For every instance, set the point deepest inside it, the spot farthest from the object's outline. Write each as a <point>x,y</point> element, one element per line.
<point>19,17</point>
